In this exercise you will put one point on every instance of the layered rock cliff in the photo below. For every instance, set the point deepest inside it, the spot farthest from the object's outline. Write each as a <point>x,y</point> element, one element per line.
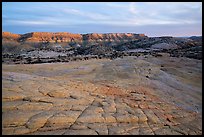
<point>7,36</point>
<point>69,37</point>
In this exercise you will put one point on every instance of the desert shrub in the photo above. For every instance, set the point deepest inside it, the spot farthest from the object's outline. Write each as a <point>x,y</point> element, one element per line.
<point>26,46</point>
<point>10,46</point>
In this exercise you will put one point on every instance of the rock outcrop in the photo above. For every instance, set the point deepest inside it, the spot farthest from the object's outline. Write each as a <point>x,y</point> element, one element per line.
<point>69,37</point>
<point>129,96</point>
<point>7,36</point>
<point>50,37</point>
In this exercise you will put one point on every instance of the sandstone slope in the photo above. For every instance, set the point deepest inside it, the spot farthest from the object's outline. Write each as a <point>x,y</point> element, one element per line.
<point>136,96</point>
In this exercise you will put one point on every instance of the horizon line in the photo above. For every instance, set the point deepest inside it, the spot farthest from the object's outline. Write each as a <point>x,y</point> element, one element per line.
<point>99,33</point>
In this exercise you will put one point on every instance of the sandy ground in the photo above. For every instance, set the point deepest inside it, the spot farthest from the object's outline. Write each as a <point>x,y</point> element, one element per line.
<point>130,95</point>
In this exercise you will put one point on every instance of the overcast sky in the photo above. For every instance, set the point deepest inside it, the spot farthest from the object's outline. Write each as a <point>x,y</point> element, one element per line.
<point>150,18</point>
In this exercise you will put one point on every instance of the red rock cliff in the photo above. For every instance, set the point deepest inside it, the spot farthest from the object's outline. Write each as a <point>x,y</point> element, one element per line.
<point>68,37</point>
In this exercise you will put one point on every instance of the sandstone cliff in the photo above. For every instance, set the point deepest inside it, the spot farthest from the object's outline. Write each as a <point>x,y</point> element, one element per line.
<point>69,37</point>
<point>7,36</point>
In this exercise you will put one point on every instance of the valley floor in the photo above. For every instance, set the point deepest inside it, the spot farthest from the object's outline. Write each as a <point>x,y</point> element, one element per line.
<point>131,95</point>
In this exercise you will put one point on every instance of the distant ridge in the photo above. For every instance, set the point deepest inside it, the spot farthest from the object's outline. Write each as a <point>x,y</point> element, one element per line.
<point>68,37</point>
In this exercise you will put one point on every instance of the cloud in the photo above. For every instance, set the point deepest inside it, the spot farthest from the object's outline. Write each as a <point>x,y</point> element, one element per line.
<point>132,8</point>
<point>48,21</point>
<point>31,22</point>
<point>115,5</point>
<point>90,15</point>
<point>165,13</point>
<point>133,13</point>
<point>116,14</point>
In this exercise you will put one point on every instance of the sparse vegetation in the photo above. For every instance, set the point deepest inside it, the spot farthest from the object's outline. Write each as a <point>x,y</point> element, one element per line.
<point>103,46</point>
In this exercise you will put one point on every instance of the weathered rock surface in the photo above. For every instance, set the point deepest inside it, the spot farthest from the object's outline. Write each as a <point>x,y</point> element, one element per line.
<point>93,98</point>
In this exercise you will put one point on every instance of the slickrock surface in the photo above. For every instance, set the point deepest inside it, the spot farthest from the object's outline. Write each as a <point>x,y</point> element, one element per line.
<point>144,95</point>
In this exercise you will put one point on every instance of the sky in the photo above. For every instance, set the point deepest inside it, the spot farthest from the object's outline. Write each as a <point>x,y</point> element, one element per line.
<point>149,18</point>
